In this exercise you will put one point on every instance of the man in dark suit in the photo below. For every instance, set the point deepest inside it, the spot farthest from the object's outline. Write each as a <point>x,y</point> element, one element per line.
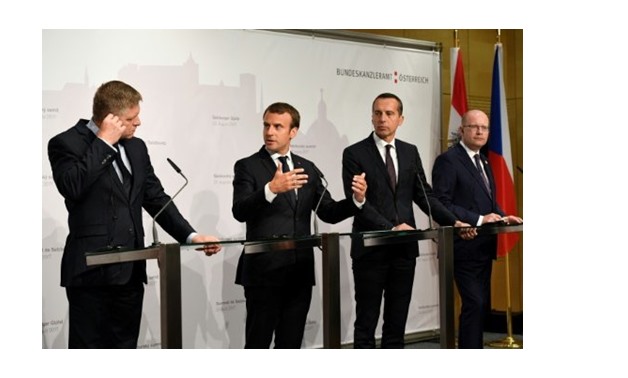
<point>463,182</point>
<point>393,175</point>
<point>275,192</point>
<point>105,175</point>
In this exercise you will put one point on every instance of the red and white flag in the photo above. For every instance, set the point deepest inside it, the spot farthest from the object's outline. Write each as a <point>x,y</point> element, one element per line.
<point>499,152</point>
<point>458,95</point>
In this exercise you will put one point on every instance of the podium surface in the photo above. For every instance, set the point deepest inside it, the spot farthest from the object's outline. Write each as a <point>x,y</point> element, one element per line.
<point>169,261</point>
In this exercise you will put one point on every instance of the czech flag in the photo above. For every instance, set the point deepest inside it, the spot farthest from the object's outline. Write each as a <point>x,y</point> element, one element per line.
<point>499,153</point>
<point>458,95</point>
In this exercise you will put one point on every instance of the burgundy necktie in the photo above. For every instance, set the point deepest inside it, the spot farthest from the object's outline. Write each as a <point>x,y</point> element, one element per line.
<point>390,167</point>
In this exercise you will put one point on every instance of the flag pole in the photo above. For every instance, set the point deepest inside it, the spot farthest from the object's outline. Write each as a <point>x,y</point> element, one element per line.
<point>508,341</point>
<point>456,40</point>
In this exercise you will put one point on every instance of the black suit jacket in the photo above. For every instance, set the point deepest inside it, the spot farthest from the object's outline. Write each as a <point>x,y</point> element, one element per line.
<point>279,219</point>
<point>100,214</point>
<point>459,186</point>
<point>384,207</point>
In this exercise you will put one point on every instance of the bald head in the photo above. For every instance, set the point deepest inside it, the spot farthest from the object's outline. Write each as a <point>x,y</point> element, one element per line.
<point>474,115</point>
<point>474,129</point>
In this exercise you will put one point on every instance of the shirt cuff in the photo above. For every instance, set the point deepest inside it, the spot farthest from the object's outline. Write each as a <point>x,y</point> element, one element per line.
<point>189,239</point>
<point>270,196</point>
<point>359,205</point>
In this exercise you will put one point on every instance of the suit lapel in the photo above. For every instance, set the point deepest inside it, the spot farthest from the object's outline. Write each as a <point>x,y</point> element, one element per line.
<point>137,173</point>
<point>404,164</point>
<point>267,162</point>
<point>85,132</point>
<point>381,166</point>
<point>470,166</point>
<point>118,183</point>
<point>88,137</point>
<point>489,175</point>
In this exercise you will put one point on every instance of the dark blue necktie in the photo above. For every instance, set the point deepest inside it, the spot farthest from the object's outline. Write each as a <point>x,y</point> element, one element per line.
<point>286,168</point>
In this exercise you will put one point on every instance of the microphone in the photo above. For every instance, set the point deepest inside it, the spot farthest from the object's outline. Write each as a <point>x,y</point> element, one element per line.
<point>155,237</point>
<point>176,168</point>
<point>322,176</point>
<point>429,208</point>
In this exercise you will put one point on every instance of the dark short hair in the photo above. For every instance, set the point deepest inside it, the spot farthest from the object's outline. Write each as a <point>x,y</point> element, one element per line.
<point>113,97</point>
<point>389,95</point>
<point>281,108</point>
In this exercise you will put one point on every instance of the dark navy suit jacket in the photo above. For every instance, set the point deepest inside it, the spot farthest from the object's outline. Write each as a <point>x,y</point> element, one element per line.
<point>279,219</point>
<point>100,214</point>
<point>385,208</point>
<point>459,186</point>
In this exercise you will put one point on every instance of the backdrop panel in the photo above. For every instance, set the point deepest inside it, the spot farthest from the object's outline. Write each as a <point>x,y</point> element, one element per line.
<point>204,92</point>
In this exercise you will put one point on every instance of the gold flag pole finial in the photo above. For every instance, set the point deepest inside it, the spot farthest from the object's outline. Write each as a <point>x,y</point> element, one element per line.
<point>456,41</point>
<point>499,36</point>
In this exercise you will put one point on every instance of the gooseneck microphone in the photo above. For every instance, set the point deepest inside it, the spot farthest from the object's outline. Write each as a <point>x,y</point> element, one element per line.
<point>155,237</point>
<point>322,176</point>
<point>429,208</point>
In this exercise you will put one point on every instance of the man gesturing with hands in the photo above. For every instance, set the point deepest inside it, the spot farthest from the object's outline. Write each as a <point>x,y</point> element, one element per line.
<point>275,192</point>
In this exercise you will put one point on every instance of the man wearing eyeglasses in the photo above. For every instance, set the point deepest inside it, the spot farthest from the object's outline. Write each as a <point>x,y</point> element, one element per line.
<point>463,182</point>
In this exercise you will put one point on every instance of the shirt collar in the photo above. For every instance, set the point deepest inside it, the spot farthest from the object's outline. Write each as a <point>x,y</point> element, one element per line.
<point>469,151</point>
<point>92,126</point>
<point>276,155</point>
<point>380,143</point>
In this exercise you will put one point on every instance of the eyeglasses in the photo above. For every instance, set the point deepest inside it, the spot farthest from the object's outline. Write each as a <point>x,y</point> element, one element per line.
<point>477,127</point>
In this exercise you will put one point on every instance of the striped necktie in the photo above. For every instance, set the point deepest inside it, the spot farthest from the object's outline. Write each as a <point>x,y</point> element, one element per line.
<point>126,175</point>
<point>478,164</point>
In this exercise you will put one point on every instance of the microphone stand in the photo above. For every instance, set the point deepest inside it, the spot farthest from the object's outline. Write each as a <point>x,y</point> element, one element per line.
<point>155,237</point>
<point>429,208</point>
<point>322,176</point>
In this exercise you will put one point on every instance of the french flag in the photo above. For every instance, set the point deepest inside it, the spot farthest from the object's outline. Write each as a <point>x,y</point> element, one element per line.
<point>499,153</point>
<point>458,95</point>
